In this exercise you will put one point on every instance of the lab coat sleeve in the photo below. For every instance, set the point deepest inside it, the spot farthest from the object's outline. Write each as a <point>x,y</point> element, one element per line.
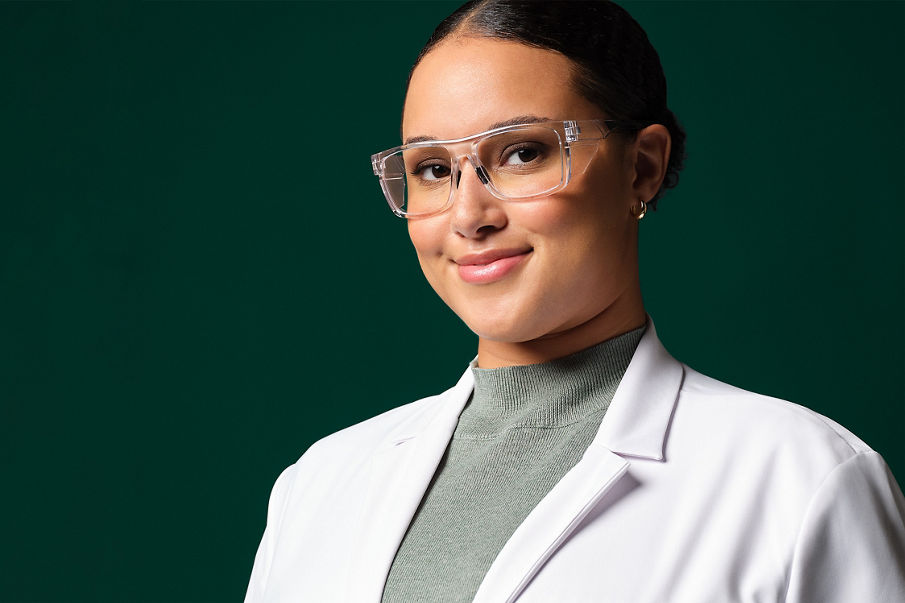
<point>851,546</point>
<point>263,558</point>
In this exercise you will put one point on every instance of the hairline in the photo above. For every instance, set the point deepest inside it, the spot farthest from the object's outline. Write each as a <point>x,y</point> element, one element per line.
<point>577,71</point>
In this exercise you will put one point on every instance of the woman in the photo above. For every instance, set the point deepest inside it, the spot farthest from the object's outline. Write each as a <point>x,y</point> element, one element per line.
<point>575,459</point>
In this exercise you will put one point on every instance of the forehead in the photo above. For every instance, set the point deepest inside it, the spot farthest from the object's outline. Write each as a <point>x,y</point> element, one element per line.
<point>465,85</point>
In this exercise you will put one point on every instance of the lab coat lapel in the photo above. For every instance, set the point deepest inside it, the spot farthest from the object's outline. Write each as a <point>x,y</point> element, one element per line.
<point>401,470</point>
<point>549,524</point>
<point>636,425</point>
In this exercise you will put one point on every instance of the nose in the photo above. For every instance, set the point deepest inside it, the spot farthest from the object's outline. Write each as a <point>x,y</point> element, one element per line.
<point>475,212</point>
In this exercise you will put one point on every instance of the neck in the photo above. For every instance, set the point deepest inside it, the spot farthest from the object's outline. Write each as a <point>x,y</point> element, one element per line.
<point>625,314</point>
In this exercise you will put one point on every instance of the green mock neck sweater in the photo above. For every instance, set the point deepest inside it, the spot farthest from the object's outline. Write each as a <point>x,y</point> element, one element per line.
<point>522,430</point>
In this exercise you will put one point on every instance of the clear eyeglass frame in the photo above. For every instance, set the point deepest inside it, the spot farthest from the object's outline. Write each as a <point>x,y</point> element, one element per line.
<point>568,133</point>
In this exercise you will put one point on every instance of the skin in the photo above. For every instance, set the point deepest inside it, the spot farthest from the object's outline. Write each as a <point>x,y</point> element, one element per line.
<point>578,285</point>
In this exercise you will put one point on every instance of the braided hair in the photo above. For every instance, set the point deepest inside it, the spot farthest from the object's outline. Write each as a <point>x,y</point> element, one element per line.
<point>617,68</point>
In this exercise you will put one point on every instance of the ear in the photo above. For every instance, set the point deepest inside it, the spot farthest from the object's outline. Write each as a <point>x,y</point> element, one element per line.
<point>650,157</point>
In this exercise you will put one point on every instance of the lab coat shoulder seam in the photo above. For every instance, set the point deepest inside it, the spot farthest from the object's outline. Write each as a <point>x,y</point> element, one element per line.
<point>280,494</point>
<point>702,385</point>
<point>819,487</point>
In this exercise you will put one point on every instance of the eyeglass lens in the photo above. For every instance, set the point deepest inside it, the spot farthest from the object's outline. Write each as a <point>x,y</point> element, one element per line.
<point>518,163</point>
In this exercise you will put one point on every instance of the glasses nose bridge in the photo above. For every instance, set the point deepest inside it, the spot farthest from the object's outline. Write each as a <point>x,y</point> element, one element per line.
<point>472,158</point>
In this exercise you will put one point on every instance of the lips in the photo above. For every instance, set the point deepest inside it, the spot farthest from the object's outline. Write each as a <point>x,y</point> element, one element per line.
<point>489,266</point>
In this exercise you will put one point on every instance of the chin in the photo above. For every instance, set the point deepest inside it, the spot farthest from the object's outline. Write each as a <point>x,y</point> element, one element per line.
<point>505,329</point>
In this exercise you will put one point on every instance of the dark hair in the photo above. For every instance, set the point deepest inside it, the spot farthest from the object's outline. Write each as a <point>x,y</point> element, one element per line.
<point>617,68</point>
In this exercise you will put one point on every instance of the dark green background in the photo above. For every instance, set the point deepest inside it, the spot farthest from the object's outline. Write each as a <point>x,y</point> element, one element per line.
<point>199,276</point>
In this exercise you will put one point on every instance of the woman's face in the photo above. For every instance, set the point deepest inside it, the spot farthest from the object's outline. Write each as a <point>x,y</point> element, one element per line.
<point>519,271</point>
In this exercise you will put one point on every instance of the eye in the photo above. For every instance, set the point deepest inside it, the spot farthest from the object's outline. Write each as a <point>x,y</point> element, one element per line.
<point>521,156</point>
<point>431,172</point>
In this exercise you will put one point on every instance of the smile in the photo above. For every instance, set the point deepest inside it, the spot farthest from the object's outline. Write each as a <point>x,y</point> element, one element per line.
<point>490,266</point>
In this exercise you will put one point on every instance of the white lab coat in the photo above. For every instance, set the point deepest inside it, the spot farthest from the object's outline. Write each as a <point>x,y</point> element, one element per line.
<point>692,491</point>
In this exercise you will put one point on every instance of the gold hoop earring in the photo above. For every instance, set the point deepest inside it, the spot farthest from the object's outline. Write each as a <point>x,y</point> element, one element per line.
<point>640,213</point>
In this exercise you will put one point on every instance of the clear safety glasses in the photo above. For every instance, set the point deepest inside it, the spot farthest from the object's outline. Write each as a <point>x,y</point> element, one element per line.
<point>520,161</point>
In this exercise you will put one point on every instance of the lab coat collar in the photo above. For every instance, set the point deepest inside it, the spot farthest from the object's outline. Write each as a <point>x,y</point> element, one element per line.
<point>635,425</point>
<point>637,421</point>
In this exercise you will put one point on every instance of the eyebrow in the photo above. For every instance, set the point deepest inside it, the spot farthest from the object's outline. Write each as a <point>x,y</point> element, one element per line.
<point>521,119</point>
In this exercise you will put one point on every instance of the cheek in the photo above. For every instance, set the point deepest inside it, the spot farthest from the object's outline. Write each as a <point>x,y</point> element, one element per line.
<point>427,239</point>
<point>586,240</point>
<point>573,223</point>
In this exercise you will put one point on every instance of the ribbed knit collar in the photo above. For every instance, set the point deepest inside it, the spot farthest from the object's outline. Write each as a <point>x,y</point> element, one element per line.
<point>551,394</point>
